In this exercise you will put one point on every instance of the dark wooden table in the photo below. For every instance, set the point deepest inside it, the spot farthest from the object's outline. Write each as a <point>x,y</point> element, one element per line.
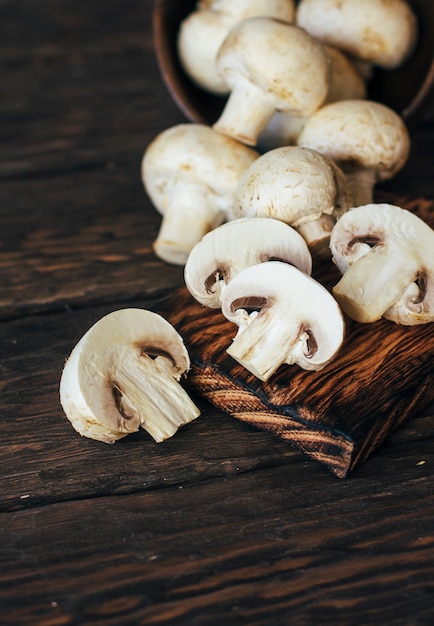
<point>224,523</point>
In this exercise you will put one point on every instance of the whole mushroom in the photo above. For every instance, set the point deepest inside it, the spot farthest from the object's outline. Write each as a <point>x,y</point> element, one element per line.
<point>346,83</point>
<point>203,31</point>
<point>269,65</point>
<point>386,256</point>
<point>124,374</point>
<point>231,247</point>
<point>190,173</point>
<point>375,32</point>
<point>284,316</point>
<point>366,139</point>
<point>298,186</point>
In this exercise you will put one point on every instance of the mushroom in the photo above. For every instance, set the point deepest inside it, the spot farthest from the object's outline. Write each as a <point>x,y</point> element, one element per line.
<point>284,316</point>
<point>203,31</point>
<point>225,251</point>
<point>298,186</point>
<point>190,173</point>
<point>376,32</point>
<point>366,139</point>
<point>386,256</point>
<point>124,373</point>
<point>346,83</point>
<point>269,65</point>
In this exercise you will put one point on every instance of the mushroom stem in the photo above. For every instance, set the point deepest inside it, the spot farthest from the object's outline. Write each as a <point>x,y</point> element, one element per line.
<point>316,233</point>
<point>374,283</point>
<point>147,392</point>
<point>361,184</point>
<point>246,113</point>
<point>265,345</point>
<point>185,222</point>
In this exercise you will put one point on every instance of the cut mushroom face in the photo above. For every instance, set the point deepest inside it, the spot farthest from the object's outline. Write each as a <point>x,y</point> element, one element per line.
<point>284,316</point>
<point>233,246</point>
<point>366,139</point>
<point>190,173</point>
<point>269,65</point>
<point>386,256</point>
<point>378,32</point>
<point>124,374</point>
<point>298,186</point>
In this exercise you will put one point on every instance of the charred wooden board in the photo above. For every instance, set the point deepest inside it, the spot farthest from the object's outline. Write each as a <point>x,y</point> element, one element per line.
<point>382,376</point>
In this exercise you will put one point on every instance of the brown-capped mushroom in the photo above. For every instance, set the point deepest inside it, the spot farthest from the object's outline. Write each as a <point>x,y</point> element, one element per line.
<point>284,316</point>
<point>269,65</point>
<point>190,173</point>
<point>231,247</point>
<point>298,186</point>
<point>124,374</point>
<point>386,256</point>
<point>366,139</point>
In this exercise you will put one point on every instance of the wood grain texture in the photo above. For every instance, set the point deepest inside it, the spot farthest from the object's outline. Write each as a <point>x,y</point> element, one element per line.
<point>382,376</point>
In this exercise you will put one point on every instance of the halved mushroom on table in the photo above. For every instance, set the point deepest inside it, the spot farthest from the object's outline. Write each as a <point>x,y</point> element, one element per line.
<point>233,246</point>
<point>284,316</point>
<point>124,374</point>
<point>386,256</point>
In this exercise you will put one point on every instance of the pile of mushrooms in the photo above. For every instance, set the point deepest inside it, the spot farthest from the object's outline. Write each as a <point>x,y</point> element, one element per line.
<point>283,179</point>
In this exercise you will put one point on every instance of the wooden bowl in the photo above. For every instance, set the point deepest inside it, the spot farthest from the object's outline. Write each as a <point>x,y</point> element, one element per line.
<point>406,90</point>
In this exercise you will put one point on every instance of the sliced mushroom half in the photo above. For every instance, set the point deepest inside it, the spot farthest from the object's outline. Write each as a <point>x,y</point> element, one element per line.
<point>124,373</point>
<point>225,251</point>
<point>386,256</point>
<point>284,316</point>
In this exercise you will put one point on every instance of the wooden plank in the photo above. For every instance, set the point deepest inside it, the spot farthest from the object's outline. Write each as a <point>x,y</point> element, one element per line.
<point>382,376</point>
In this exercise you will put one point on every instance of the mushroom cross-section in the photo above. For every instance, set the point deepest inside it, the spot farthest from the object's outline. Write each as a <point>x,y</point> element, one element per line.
<point>366,139</point>
<point>269,65</point>
<point>231,247</point>
<point>124,373</point>
<point>190,173</point>
<point>284,316</point>
<point>299,186</point>
<point>386,256</point>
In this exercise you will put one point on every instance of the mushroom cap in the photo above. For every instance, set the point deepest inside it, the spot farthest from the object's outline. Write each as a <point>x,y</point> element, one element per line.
<point>346,82</point>
<point>203,31</point>
<point>294,319</point>
<point>290,183</point>
<point>193,155</point>
<point>359,134</point>
<point>281,59</point>
<point>382,32</point>
<point>225,251</point>
<point>88,382</point>
<point>386,256</point>
<point>242,9</point>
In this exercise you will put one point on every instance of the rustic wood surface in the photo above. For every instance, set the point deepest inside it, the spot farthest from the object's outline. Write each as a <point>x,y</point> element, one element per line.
<point>224,523</point>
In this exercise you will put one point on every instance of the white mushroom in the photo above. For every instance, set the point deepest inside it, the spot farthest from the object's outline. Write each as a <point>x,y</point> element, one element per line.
<point>366,139</point>
<point>346,83</point>
<point>269,65</point>
<point>377,32</point>
<point>386,256</point>
<point>203,31</point>
<point>123,374</point>
<point>284,316</point>
<point>190,173</point>
<point>298,186</point>
<point>225,251</point>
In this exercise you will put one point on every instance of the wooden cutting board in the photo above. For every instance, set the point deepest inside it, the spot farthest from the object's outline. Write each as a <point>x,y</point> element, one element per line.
<point>382,376</point>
